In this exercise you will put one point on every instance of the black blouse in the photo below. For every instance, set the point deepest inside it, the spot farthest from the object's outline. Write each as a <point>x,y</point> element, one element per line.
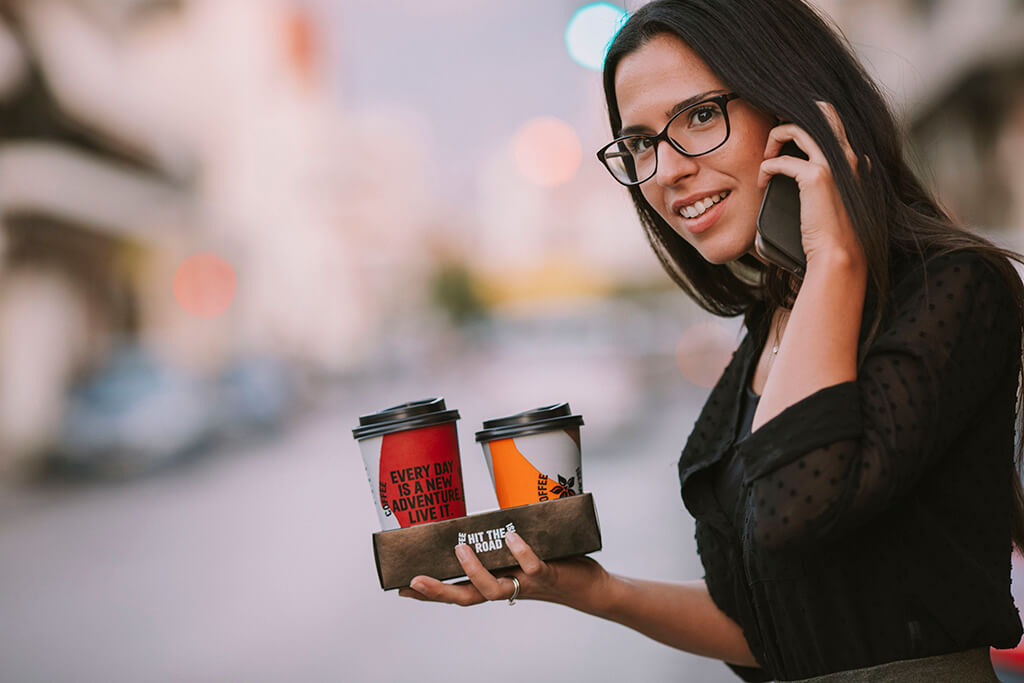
<point>873,518</point>
<point>727,473</point>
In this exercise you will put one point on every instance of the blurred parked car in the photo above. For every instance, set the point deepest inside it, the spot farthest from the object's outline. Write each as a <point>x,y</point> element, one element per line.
<point>137,413</point>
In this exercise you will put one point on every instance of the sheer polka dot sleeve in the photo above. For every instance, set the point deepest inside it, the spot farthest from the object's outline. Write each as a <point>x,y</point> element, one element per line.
<point>843,454</point>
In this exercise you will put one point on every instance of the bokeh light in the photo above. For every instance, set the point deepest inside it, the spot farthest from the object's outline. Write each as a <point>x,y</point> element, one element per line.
<point>547,151</point>
<point>703,352</point>
<point>204,285</point>
<point>590,32</point>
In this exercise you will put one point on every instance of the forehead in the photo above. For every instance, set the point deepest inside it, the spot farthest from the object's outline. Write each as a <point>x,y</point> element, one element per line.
<point>657,75</point>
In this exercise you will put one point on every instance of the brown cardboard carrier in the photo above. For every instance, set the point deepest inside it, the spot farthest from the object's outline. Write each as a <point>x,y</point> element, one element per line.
<point>555,529</point>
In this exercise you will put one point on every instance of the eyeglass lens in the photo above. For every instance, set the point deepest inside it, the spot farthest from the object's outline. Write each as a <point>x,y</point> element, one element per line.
<point>696,130</point>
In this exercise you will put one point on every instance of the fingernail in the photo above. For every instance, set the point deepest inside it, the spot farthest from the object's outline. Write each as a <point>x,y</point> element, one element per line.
<point>512,538</point>
<point>417,586</point>
<point>462,551</point>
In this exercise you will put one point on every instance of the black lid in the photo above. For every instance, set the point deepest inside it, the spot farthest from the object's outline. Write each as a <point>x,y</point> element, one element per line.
<point>412,415</point>
<point>544,419</point>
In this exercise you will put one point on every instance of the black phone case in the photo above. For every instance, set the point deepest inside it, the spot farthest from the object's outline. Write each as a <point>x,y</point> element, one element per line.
<point>778,221</point>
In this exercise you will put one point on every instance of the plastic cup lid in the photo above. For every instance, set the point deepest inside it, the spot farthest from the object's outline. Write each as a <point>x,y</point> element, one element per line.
<point>412,415</point>
<point>543,419</point>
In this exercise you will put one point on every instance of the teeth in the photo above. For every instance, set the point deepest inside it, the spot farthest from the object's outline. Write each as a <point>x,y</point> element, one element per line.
<point>702,205</point>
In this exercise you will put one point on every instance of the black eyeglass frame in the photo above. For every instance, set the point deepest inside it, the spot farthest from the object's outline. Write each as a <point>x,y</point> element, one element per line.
<point>721,100</point>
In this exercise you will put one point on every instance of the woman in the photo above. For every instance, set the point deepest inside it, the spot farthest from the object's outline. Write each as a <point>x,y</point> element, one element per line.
<point>852,472</point>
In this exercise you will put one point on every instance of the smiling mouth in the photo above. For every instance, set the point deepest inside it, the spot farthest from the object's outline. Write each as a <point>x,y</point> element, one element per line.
<point>701,205</point>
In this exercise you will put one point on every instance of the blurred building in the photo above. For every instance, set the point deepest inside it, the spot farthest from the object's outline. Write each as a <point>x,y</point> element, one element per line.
<point>82,184</point>
<point>138,132</point>
<point>955,70</point>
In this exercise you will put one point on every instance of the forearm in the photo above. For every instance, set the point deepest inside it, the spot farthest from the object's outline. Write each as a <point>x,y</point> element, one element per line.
<point>681,615</point>
<point>819,347</point>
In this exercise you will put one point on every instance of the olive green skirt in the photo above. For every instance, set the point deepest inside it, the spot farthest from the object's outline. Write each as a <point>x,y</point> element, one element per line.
<point>969,666</point>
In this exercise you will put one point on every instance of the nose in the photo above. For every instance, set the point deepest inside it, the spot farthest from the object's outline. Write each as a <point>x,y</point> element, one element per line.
<point>673,166</point>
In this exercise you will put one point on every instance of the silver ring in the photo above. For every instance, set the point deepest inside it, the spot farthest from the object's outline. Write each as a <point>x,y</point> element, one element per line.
<point>515,590</point>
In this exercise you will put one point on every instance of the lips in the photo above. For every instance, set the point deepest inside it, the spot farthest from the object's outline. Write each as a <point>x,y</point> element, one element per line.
<point>702,218</point>
<point>696,204</point>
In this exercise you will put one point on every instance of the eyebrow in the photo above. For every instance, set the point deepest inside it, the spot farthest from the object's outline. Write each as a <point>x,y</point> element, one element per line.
<point>676,108</point>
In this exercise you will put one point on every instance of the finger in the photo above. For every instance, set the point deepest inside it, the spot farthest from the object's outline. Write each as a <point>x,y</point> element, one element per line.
<point>419,581</point>
<point>804,172</point>
<point>780,135</point>
<point>839,130</point>
<point>489,586</point>
<point>412,593</point>
<point>528,561</point>
<point>432,590</point>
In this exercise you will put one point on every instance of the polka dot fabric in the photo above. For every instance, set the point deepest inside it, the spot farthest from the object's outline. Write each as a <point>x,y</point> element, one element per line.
<point>875,515</point>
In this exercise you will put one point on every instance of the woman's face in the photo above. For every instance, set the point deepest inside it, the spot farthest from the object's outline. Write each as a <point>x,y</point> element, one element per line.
<point>650,83</point>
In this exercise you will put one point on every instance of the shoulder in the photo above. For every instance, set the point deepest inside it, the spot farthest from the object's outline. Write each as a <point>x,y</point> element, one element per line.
<point>942,300</point>
<point>959,276</point>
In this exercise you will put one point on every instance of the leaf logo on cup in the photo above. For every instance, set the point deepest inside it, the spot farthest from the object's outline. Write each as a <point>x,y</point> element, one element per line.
<point>564,487</point>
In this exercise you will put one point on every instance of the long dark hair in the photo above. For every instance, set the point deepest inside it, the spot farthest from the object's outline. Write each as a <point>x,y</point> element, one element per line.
<point>781,57</point>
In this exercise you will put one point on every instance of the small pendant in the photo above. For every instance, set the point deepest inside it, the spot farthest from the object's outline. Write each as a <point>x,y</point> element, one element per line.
<point>775,349</point>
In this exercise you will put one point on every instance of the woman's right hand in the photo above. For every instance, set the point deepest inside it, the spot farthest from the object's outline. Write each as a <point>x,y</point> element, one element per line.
<point>578,582</point>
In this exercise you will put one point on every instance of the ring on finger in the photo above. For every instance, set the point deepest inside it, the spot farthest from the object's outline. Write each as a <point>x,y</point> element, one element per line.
<point>515,590</point>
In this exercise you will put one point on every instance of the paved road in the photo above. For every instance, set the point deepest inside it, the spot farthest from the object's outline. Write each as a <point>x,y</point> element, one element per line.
<point>255,565</point>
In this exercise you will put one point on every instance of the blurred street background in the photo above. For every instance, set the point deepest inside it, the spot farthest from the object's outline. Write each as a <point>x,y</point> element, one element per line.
<point>230,227</point>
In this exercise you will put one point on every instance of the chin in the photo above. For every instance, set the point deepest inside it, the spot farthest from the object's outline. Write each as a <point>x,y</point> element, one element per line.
<point>724,247</point>
<point>722,256</point>
<point>718,261</point>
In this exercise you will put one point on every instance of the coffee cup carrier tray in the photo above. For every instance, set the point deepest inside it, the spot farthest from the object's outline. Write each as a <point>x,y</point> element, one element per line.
<point>554,529</point>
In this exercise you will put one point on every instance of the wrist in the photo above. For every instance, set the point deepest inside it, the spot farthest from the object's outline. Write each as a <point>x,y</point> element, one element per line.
<point>585,586</point>
<point>843,262</point>
<point>612,596</point>
<point>604,594</point>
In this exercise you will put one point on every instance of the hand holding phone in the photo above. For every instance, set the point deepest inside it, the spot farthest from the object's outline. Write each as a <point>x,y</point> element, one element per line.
<point>778,221</point>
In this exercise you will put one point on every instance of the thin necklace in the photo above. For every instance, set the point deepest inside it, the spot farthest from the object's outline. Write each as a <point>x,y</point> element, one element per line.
<point>774,348</point>
<point>778,339</point>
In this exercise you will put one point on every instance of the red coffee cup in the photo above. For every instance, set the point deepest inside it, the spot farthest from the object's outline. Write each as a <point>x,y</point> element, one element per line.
<point>411,454</point>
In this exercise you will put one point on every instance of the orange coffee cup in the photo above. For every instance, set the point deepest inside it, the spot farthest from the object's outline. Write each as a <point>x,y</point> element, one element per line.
<point>534,456</point>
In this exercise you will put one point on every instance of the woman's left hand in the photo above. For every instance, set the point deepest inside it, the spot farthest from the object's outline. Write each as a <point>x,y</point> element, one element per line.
<point>825,227</point>
<point>578,582</point>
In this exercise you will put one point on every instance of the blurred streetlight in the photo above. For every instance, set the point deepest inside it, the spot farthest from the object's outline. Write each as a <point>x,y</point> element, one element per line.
<point>547,151</point>
<point>590,32</point>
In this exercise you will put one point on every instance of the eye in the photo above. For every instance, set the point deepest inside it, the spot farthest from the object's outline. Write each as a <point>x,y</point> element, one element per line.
<point>638,145</point>
<point>702,116</point>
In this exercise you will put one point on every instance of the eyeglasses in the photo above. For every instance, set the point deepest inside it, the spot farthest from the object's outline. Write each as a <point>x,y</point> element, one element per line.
<point>698,129</point>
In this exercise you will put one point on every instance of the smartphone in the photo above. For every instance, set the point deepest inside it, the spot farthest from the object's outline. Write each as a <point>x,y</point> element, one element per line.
<point>778,221</point>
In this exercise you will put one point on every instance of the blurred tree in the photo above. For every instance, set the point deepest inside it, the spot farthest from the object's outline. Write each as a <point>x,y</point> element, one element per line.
<point>453,290</point>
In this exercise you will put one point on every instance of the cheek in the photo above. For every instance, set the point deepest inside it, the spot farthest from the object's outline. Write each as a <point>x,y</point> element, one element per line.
<point>747,158</point>
<point>753,147</point>
<point>653,194</point>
